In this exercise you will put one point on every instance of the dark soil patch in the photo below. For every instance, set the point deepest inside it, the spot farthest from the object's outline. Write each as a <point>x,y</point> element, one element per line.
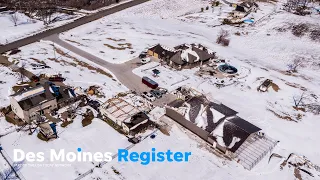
<point>275,87</point>
<point>66,123</point>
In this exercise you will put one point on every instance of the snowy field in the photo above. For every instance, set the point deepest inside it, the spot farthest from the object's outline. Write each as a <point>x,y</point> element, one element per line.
<point>75,69</point>
<point>8,79</point>
<point>27,26</point>
<point>97,137</point>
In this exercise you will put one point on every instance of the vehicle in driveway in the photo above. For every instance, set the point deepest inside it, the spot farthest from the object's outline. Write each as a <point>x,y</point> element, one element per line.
<point>163,91</point>
<point>145,60</point>
<point>143,55</point>
<point>149,82</point>
<point>148,96</point>
<point>156,93</point>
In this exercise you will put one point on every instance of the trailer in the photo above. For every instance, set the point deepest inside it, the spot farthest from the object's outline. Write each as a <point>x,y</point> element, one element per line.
<point>149,82</point>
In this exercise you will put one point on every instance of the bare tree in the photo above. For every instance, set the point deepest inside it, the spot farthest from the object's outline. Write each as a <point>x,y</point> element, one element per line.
<point>45,9</point>
<point>223,38</point>
<point>22,71</point>
<point>295,64</point>
<point>314,108</point>
<point>299,100</point>
<point>14,18</point>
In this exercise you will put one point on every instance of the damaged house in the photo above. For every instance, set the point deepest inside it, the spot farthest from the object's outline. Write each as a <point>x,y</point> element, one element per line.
<point>220,126</point>
<point>182,56</point>
<point>131,119</point>
<point>243,9</point>
<point>40,100</point>
<point>28,103</point>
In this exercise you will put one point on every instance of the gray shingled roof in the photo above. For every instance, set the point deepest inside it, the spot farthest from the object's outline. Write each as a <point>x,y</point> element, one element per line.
<point>225,110</point>
<point>244,125</point>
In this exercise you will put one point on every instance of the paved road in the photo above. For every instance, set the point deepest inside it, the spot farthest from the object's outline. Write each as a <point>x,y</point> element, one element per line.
<point>123,72</point>
<point>66,27</point>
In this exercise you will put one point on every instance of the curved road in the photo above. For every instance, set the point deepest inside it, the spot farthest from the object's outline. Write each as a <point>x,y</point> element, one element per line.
<point>66,27</point>
<point>123,72</point>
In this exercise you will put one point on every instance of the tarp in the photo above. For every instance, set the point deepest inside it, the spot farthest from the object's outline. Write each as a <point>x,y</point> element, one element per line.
<point>249,21</point>
<point>53,127</point>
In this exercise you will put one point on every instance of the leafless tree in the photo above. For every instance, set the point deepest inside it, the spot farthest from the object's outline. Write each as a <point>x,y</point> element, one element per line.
<point>14,18</point>
<point>22,71</point>
<point>295,64</point>
<point>314,108</point>
<point>299,100</point>
<point>223,37</point>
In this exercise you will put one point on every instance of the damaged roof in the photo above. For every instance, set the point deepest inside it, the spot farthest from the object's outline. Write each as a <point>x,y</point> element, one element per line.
<point>237,127</point>
<point>36,99</point>
<point>136,119</point>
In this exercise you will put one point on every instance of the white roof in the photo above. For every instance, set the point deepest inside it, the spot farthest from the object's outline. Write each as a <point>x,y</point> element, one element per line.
<point>29,93</point>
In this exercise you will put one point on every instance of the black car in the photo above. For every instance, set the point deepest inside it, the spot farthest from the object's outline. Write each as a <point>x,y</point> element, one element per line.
<point>141,56</point>
<point>156,93</point>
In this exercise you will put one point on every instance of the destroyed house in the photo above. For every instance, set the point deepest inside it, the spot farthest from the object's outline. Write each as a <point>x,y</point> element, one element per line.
<point>138,123</point>
<point>28,103</point>
<point>131,119</point>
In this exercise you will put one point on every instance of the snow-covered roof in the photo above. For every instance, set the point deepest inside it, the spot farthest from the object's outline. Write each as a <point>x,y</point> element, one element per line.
<point>29,93</point>
<point>185,55</point>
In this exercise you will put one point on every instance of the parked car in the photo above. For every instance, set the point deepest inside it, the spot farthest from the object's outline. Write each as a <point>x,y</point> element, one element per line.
<point>142,55</point>
<point>145,60</point>
<point>163,90</point>
<point>149,82</point>
<point>156,93</point>
<point>148,96</point>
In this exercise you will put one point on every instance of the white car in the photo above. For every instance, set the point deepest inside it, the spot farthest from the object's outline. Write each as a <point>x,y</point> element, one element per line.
<point>148,96</point>
<point>145,60</point>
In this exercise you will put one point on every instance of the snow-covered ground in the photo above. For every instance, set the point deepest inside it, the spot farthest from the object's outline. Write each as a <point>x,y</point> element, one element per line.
<point>75,69</point>
<point>97,137</point>
<point>260,48</point>
<point>27,26</point>
<point>7,80</point>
